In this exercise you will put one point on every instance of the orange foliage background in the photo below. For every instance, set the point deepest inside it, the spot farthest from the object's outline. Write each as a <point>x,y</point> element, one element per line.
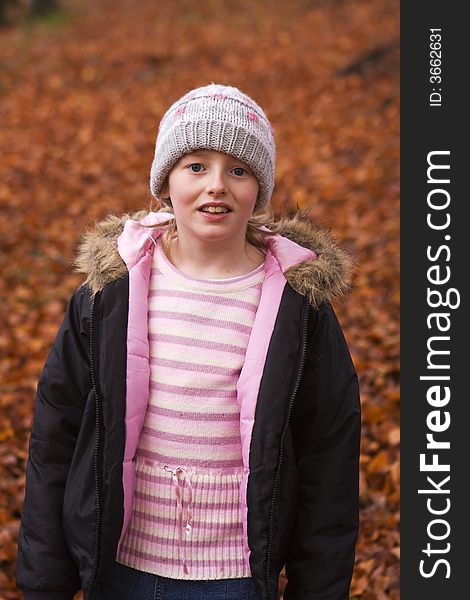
<point>81,95</point>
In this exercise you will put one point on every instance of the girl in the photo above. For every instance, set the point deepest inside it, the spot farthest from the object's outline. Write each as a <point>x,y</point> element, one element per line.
<point>197,421</point>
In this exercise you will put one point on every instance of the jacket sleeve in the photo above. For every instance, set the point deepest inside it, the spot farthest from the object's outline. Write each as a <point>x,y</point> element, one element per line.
<point>326,434</point>
<point>45,568</point>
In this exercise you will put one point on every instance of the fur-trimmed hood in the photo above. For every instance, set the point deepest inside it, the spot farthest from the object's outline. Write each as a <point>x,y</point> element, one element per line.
<point>324,278</point>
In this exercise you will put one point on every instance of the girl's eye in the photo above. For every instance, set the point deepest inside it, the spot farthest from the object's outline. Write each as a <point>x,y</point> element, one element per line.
<point>197,169</point>
<point>238,169</point>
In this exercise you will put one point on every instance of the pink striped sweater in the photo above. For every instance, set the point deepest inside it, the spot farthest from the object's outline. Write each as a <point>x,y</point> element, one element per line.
<point>186,521</point>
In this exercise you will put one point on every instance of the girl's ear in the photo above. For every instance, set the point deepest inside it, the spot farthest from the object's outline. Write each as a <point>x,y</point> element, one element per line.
<point>165,189</point>
<point>164,193</point>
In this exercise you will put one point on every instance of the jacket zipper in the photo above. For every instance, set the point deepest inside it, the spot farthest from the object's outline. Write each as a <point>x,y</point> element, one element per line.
<point>281,444</point>
<point>96,458</point>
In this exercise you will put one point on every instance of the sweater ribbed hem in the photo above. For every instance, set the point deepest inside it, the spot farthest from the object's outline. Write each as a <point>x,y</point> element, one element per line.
<point>214,548</point>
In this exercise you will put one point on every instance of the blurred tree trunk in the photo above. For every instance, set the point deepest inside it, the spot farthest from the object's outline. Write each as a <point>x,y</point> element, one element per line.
<point>42,7</point>
<point>3,10</point>
<point>14,10</point>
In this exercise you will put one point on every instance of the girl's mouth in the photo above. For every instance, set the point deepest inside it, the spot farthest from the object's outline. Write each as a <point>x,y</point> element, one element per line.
<point>214,212</point>
<point>214,216</point>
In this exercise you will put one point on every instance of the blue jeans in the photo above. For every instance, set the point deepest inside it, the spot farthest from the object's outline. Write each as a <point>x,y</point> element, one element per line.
<point>125,583</point>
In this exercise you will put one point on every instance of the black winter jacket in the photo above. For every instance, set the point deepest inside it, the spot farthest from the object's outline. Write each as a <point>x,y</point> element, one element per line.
<point>302,491</point>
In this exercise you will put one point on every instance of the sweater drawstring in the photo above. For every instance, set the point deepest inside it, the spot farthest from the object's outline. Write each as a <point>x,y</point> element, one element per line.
<point>179,502</point>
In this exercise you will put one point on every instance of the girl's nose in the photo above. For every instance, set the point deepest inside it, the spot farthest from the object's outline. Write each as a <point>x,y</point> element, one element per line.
<point>216,184</point>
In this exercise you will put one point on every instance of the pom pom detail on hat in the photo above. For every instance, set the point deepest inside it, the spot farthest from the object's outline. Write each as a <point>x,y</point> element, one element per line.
<point>216,117</point>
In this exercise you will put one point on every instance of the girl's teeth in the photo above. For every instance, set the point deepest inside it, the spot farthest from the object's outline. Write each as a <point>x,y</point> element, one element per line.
<point>214,209</point>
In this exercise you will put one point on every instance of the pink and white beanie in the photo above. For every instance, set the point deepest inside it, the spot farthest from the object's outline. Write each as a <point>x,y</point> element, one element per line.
<point>216,117</point>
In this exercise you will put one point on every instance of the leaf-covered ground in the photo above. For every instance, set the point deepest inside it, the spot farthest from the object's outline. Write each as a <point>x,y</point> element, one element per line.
<point>81,95</point>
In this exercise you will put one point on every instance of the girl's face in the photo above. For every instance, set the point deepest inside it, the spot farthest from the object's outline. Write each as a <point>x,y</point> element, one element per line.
<point>204,179</point>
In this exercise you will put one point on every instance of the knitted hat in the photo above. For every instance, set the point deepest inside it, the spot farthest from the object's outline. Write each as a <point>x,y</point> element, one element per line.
<point>216,117</point>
